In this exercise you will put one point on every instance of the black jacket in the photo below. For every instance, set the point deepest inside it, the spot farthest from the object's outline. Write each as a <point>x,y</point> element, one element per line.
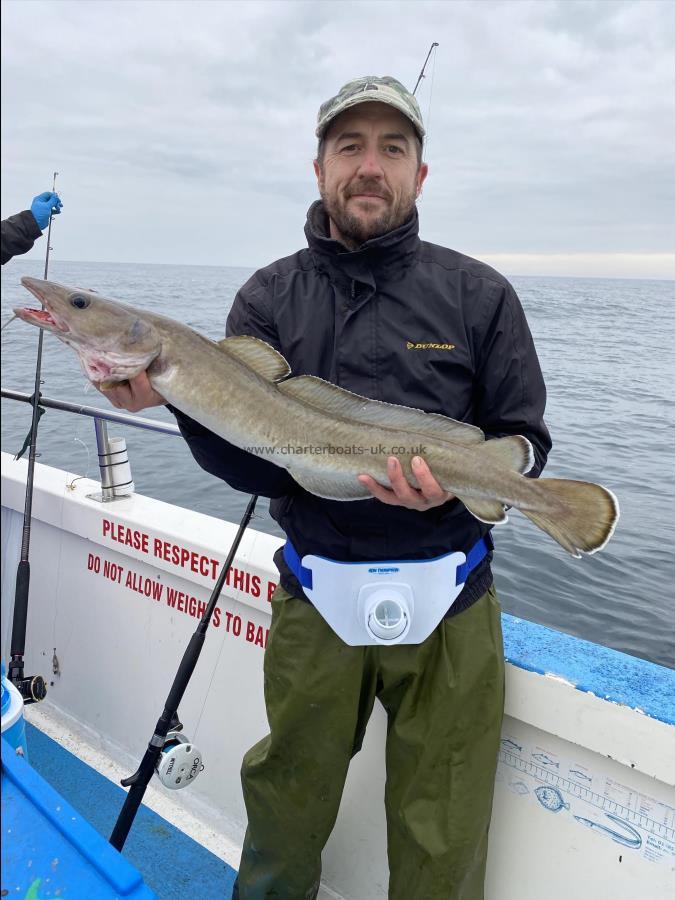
<point>399,320</point>
<point>19,233</point>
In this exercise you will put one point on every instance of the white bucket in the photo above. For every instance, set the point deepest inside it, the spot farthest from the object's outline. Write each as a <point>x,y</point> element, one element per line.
<point>13,722</point>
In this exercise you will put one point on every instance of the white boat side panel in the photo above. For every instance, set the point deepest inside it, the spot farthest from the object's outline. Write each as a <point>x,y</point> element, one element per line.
<point>617,732</point>
<point>582,803</point>
<point>176,541</point>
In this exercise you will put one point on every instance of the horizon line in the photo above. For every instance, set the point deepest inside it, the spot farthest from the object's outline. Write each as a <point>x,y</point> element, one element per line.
<point>498,259</point>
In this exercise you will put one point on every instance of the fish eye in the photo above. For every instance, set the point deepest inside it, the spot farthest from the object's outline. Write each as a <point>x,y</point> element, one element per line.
<point>79,301</point>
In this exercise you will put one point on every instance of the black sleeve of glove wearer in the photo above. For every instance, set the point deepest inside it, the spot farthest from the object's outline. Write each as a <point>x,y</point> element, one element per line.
<point>241,470</point>
<point>19,233</point>
<point>510,394</point>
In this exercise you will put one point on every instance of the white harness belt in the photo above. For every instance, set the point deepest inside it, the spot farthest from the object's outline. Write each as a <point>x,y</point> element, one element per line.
<point>384,602</point>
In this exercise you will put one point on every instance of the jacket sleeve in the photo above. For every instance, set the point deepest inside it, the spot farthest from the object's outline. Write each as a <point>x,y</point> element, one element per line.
<point>243,471</point>
<point>509,393</point>
<point>19,233</point>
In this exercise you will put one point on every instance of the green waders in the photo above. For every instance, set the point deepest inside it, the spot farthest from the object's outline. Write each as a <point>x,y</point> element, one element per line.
<point>444,700</point>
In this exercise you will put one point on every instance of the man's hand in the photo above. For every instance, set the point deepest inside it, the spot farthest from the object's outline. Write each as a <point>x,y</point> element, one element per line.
<point>133,395</point>
<point>402,494</point>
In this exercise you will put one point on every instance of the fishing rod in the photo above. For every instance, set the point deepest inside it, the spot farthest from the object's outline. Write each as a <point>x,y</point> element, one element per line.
<point>31,687</point>
<point>421,75</point>
<point>167,741</point>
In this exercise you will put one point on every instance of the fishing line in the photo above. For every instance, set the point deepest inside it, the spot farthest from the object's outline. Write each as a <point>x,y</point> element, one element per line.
<point>78,440</point>
<point>431,94</point>
<point>8,322</point>
<point>63,647</point>
<point>83,428</point>
<point>213,675</point>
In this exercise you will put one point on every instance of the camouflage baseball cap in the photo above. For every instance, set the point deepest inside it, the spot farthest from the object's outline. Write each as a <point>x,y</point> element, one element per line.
<point>381,89</point>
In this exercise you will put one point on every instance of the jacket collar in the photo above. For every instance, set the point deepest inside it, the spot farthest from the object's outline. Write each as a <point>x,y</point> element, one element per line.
<point>390,253</point>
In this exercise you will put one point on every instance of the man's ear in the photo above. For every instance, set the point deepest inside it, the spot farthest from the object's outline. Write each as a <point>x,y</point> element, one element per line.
<point>318,172</point>
<point>421,178</point>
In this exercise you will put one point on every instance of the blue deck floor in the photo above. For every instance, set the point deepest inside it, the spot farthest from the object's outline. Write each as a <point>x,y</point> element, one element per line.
<point>171,863</point>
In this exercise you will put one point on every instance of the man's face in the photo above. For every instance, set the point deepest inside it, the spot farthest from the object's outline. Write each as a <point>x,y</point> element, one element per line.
<point>369,178</point>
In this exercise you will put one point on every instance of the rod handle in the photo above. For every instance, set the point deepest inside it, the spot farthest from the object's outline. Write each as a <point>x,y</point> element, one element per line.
<point>20,608</point>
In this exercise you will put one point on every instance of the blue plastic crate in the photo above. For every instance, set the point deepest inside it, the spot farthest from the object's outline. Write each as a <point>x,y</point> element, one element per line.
<point>49,850</point>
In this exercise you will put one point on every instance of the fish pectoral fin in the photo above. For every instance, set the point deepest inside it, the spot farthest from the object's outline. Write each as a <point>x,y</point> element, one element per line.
<point>514,452</point>
<point>330,487</point>
<point>109,385</point>
<point>491,512</point>
<point>337,402</point>
<point>257,355</point>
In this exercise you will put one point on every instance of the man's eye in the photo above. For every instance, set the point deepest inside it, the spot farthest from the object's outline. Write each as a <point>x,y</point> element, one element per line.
<point>349,148</point>
<point>392,148</point>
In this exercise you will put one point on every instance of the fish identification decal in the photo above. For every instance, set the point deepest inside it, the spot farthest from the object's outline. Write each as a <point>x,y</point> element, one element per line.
<point>568,788</point>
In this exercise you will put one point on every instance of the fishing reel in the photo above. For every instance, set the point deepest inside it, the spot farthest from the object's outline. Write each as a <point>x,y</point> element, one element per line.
<point>179,763</point>
<point>31,687</point>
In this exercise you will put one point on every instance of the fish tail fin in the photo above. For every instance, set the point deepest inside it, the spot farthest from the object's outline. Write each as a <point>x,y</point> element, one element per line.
<point>581,516</point>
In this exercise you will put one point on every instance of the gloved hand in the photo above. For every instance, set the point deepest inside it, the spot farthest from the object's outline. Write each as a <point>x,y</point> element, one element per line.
<point>45,203</point>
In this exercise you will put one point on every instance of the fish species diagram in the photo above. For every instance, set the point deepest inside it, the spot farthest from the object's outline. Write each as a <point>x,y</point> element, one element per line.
<point>545,760</point>
<point>594,800</point>
<point>551,799</point>
<point>626,835</point>
<point>579,774</point>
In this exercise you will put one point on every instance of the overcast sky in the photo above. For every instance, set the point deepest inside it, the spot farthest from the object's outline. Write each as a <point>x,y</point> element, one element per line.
<point>183,131</point>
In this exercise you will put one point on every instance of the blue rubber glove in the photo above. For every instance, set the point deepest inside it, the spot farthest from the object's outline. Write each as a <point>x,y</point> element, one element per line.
<point>43,205</point>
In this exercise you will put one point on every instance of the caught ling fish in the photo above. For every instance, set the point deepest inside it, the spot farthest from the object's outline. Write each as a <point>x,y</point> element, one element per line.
<point>241,389</point>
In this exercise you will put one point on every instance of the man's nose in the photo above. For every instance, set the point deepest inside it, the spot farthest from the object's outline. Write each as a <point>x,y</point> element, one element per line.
<point>370,165</point>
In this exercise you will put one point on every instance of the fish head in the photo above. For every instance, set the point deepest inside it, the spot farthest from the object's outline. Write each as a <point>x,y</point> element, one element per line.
<point>114,341</point>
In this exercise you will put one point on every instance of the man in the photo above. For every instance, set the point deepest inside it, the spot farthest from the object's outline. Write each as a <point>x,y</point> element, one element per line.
<point>20,232</point>
<point>370,307</point>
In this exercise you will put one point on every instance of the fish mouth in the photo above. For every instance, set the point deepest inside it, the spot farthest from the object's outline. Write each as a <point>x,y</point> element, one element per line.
<point>44,318</point>
<point>40,317</point>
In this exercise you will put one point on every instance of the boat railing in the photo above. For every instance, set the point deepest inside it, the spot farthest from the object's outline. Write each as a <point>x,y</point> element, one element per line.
<point>113,459</point>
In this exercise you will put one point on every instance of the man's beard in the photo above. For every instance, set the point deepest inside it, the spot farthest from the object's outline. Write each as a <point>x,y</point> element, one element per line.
<point>353,229</point>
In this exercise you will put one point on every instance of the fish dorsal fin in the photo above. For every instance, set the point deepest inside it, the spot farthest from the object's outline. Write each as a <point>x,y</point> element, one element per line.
<point>336,401</point>
<point>257,355</point>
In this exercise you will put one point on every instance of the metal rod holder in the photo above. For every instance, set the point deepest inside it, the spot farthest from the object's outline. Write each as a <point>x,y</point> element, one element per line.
<point>103,447</point>
<point>113,463</point>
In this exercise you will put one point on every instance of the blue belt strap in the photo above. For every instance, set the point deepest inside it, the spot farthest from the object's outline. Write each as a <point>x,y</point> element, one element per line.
<point>475,555</point>
<point>294,563</point>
